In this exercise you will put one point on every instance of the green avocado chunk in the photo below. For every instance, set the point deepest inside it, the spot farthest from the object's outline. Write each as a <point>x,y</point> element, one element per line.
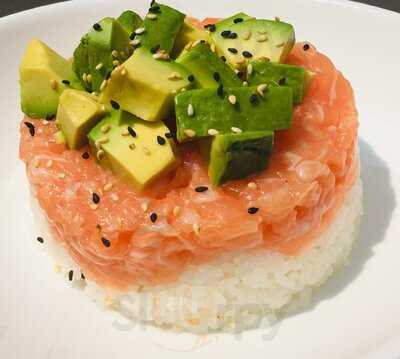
<point>135,150</point>
<point>200,113</point>
<point>130,21</point>
<point>145,86</point>
<point>253,39</point>
<point>236,156</point>
<point>208,69</point>
<point>264,72</point>
<point>160,28</point>
<point>44,75</point>
<point>189,33</point>
<point>77,113</point>
<point>99,52</point>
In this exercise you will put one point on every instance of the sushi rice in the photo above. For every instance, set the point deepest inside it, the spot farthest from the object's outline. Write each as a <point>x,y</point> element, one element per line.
<point>238,291</point>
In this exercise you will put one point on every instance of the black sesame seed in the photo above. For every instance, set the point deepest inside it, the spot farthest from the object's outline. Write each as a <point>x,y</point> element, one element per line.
<point>282,81</point>
<point>83,276</point>
<point>85,155</point>
<point>155,9</point>
<point>114,105</point>
<point>220,90</point>
<point>253,98</point>
<point>131,131</point>
<point>232,35</point>
<point>252,210</point>
<point>40,239</point>
<point>247,54</point>
<point>132,36</point>
<point>210,27</point>
<point>71,275</point>
<point>201,189</point>
<point>202,41</point>
<point>216,76</point>
<point>97,27</point>
<point>161,140</point>
<point>233,50</point>
<point>155,49</point>
<point>237,20</point>
<point>240,74</point>
<point>31,128</point>
<point>106,242</point>
<point>306,47</point>
<point>190,78</point>
<point>153,217</point>
<point>66,82</point>
<point>225,33</point>
<point>50,117</point>
<point>223,58</point>
<point>95,198</point>
<point>169,135</point>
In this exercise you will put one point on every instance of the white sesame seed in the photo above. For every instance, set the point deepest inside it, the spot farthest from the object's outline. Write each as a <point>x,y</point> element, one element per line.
<point>84,77</point>
<point>103,108</point>
<point>262,32</point>
<point>89,78</point>
<point>115,62</point>
<point>264,58</point>
<point>140,30</point>
<point>135,42</point>
<point>151,16</point>
<point>246,35</point>
<point>49,163</point>
<point>262,38</point>
<point>93,206</point>
<point>123,71</point>
<point>114,197</point>
<point>146,151</point>
<point>232,99</point>
<point>236,71</point>
<point>122,54</point>
<point>61,175</point>
<point>103,140</point>
<point>212,47</point>
<point>277,18</point>
<point>236,130</point>
<point>94,94</point>
<point>45,122</point>
<point>158,56</point>
<point>132,146</point>
<point>144,206</point>
<point>173,92</point>
<point>196,228</point>
<point>174,76</point>
<point>100,154</point>
<point>176,210</point>
<point>99,66</point>
<point>189,132</point>
<point>252,185</point>
<point>125,132</point>
<point>249,69</point>
<point>245,84</point>
<point>105,128</point>
<point>261,89</point>
<point>53,84</point>
<point>183,89</point>
<point>114,53</point>
<point>36,163</point>
<point>212,132</point>
<point>103,85</point>
<point>281,44</point>
<point>107,186</point>
<point>190,110</point>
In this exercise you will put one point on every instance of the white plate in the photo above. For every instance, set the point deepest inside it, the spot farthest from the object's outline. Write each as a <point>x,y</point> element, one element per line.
<point>357,314</point>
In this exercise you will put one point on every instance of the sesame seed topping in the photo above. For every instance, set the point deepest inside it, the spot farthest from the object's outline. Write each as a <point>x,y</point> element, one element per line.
<point>115,62</point>
<point>220,90</point>
<point>237,20</point>
<point>61,175</point>
<point>123,71</point>
<point>161,140</point>
<point>232,35</point>
<point>281,44</point>
<point>100,154</point>
<point>146,151</point>
<point>122,54</point>
<point>223,58</point>
<point>262,38</point>
<point>247,54</point>
<point>169,135</point>
<point>161,56</point>
<point>107,186</point>
<point>262,32</point>
<point>114,105</point>
<point>36,163</point>
<point>277,18</point>
<point>216,76</point>
<point>84,77</point>
<point>45,122</point>
<point>31,128</point>
<point>201,189</point>
<point>252,210</point>
<point>151,16</point>
<point>40,239</point>
<point>252,185</point>
<point>102,140</point>
<point>49,163</point>
<point>154,9</point>
<point>66,82</point>
<point>153,217</point>
<point>191,78</point>
<point>144,206</point>
<point>306,47</point>
<point>212,132</point>
<point>114,197</point>
<point>70,275</point>
<point>114,53</point>
<point>212,47</point>
<point>236,130</point>
<point>105,242</point>
<point>131,131</point>
<point>232,99</point>
<point>253,98</point>
<point>140,31</point>
<point>245,84</point>
<point>83,276</point>
<point>174,76</point>
<point>135,42</point>
<point>232,50</point>
<point>95,198</point>
<point>97,27</point>
<point>263,58</point>
<point>196,228</point>
<point>249,69</point>
<point>89,78</point>
<point>225,33</point>
<point>155,49</point>
<point>261,89</point>
<point>103,85</point>
<point>105,128</point>
<point>190,110</point>
<point>132,146</point>
<point>189,132</point>
<point>282,81</point>
<point>176,210</point>
<point>210,27</point>
<point>53,84</point>
<point>246,35</point>
<point>99,66</point>
<point>125,132</point>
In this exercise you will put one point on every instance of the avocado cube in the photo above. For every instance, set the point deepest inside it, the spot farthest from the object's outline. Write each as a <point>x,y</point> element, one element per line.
<point>145,86</point>
<point>253,39</point>
<point>130,21</point>
<point>161,27</point>
<point>97,52</point>
<point>200,113</point>
<point>236,156</point>
<point>77,113</point>
<point>135,150</point>
<point>188,33</point>
<point>208,69</point>
<point>44,75</point>
<point>296,77</point>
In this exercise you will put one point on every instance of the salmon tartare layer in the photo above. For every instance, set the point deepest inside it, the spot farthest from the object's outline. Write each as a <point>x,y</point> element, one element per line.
<point>120,237</point>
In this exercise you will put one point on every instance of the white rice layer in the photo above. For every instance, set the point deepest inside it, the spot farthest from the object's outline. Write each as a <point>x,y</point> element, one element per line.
<point>237,291</point>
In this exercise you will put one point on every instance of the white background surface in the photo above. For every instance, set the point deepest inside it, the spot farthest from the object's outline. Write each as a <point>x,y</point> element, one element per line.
<point>357,314</point>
